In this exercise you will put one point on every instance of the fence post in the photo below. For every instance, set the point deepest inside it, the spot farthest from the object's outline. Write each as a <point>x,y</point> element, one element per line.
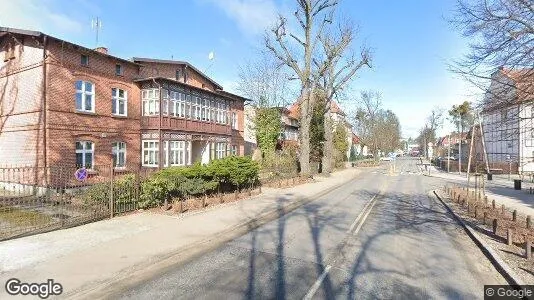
<point>111,193</point>
<point>514,215</point>
<point>502,209</point>
<point>529,222</point>
<point>509,237</point>
<point>485,217</point>
<point>528,250</point>
<point>495,226</point>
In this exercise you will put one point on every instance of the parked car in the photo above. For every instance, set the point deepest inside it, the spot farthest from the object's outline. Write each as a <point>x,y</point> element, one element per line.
<point>386,158</point>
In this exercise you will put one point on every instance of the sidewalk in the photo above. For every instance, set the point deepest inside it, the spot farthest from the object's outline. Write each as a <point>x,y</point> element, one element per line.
<point>500,189</point>
<point>91,255</point>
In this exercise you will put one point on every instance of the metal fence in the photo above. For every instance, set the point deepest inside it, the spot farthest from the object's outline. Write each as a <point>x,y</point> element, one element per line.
<point>38,199</point>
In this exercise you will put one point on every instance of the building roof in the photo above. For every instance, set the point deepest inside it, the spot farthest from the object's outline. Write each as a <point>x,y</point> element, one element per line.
<point>355,139</point>
<point>522,81</point>
<point>175,62</point>
<point>7,30</point>
<point>216,92</point>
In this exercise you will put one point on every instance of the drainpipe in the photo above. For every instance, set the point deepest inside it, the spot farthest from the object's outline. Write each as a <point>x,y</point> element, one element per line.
<point>44,108</point>
<point>160,137</point>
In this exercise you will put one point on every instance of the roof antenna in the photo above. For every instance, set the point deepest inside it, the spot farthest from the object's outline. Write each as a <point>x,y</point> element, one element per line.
<point>96,24</point>
<point>211,57</point>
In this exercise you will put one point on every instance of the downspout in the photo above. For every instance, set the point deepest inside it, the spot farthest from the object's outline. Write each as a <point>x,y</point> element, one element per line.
<point>160,139</point>
<point>44,108</point>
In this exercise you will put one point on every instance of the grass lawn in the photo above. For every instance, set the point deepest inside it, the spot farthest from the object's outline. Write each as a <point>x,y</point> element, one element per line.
<point>19,217</point>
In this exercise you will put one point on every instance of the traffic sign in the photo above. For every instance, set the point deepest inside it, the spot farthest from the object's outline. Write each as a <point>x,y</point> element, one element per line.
<point>81,174</point>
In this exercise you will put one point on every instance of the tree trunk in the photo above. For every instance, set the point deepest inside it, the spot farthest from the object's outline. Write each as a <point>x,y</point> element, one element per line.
<point>328,143</point>
<point>306,112</point>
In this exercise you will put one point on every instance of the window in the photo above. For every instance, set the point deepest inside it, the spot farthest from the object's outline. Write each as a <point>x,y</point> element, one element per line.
<point>84,154</point>
<point>119,102</point>
<point>220,150</point>
<point>119,154</point>
<point>150,98</point>
<point>188,106</point>
<point>84,60</point>
<point>118,70</point>
<point>85,96</point>
<point>234,120</point>
<point>178,75</point>
<point>165,106</point>
<point>234,150</point>
<point>177,153</point>
<point>150,153</point>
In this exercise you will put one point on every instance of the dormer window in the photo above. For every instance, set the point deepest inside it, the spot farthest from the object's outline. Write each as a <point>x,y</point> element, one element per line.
<point>178,75</point>
<point>84,60</point>
<point>118,70</point>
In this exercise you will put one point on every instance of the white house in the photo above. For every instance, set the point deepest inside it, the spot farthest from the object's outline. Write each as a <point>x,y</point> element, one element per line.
<point>507,119</point>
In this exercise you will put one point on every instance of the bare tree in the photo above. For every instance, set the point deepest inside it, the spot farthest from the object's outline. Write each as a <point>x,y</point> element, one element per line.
<point>366,119</point>
<point>265,82</point>
<point>340,70</point>
<point>502,50</point>
<point>282,44</point>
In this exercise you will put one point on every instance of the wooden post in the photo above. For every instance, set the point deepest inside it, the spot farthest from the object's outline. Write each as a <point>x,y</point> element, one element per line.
<point>502,209</point>
<point>111,193</point>
<point>514,215</point>
<point>509,237</point>
<point>485,218</point>
<point>528,250</point>
<point>204,200</point>
<point>529,222</point>
<point>493,204</point>
<point>495,226</point>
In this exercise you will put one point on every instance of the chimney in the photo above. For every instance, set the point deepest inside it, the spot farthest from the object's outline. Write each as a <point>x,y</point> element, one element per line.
<point>103,50</point>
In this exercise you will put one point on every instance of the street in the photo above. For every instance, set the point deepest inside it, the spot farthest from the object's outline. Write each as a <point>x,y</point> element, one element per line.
<point>379,236</point>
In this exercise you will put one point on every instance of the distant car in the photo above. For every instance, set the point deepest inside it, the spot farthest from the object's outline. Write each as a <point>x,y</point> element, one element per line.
<point>449,158</point>
<point>386,158</point>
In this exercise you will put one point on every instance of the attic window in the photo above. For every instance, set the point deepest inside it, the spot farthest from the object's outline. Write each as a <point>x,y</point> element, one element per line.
<point>9,53</point>
<point>178,75</point>
<point>84,60</point>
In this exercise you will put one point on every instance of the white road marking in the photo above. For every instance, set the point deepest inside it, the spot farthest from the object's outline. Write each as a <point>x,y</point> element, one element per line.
<point>361,214</point>
<point>317,283</point>
<point>364,218</point>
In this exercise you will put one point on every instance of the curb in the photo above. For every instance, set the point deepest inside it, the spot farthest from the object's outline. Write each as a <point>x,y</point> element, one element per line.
<point>497,262</point>
<point>139,273</point>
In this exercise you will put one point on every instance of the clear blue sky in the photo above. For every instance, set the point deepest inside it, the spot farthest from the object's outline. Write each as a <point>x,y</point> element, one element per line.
<point>411,40</point>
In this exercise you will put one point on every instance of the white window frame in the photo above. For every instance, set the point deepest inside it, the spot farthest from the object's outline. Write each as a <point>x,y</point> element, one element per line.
<point>234,120</point>
<point>116,99</point>
<point>151,147</point>
<point>150,102</point>
<point>86,150</point>
<point>220,150</point>
<point>234,150</point>
<point>177,153</point>
<point>84,94</point>
<point>117,149</point>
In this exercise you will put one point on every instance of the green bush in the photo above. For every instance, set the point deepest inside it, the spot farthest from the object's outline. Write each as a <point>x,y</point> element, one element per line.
<point>177,182</point>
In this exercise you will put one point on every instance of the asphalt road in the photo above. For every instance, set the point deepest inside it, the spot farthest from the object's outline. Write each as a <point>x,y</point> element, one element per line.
<point>378,236</point>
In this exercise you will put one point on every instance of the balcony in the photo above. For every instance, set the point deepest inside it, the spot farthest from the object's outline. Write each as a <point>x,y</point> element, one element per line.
<point>181,124</point>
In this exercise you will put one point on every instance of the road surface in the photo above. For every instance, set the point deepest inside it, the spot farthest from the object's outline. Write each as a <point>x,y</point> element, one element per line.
<point>378,236</point>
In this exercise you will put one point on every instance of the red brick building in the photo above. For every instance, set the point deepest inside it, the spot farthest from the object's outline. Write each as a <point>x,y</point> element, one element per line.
<point>64,104</point>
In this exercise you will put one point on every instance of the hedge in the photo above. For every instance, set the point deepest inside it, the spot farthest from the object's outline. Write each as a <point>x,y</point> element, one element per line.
<point>227,174</point>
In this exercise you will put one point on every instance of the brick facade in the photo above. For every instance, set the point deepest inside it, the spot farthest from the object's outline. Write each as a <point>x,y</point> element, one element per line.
<point>39,122</point>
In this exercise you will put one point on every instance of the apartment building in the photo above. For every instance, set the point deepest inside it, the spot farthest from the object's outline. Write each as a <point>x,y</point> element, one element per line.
<point>507,119</point>
<point>64,104</point>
